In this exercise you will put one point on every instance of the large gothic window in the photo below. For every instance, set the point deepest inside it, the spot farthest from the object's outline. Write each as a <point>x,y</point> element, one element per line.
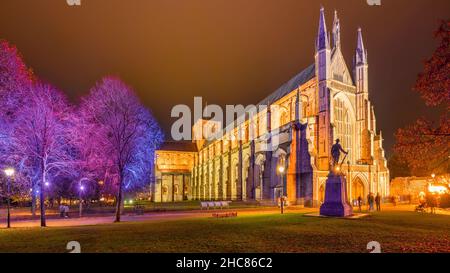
<point>343,126</point>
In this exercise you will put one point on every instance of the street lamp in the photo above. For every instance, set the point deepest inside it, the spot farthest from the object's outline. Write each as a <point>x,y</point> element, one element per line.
<point>281,170</point>
<point>9,172</point>
<point>81,190</point>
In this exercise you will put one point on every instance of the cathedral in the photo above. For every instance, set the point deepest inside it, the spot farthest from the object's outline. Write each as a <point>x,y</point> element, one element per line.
<point>324,102</point>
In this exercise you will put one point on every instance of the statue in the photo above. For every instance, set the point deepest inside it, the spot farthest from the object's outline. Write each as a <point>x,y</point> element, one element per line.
<point>336,200</point>
<point>336,150</point>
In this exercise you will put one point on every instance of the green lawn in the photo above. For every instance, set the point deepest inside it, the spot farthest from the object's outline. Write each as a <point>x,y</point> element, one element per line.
<point>396,232</point>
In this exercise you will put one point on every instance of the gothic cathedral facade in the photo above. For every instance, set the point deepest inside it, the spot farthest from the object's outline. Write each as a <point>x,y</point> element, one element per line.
<point>323,103</point>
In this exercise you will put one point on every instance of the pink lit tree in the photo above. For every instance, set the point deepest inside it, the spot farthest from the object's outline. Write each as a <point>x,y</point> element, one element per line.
<point>41,141</point>
<point>123,135</point>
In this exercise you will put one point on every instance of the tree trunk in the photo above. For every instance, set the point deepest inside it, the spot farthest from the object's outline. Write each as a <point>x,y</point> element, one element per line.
<point>119,200</point>
<point>42,203</point>
<point>42,197</point>
<point>33,203</point>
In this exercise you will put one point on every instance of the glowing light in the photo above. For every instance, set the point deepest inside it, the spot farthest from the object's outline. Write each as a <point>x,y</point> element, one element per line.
<point>437,189</point>
<point>281,169</point>
<point>433,175</point>
<point>9,172</point>
<point>337,169</point>
<point>82,188</point>
<point>47,184</point>
<point>131,201</point>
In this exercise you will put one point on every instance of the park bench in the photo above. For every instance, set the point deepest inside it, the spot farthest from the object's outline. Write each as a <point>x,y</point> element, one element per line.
<point>203,205</point>
<point>214,205</point>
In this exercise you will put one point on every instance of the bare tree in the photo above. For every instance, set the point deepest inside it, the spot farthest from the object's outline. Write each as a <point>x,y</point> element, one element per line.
<point>122,132</point>
<point>41,140</point>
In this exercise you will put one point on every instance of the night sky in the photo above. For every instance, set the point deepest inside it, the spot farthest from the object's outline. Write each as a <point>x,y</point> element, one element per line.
<point>227,51</point>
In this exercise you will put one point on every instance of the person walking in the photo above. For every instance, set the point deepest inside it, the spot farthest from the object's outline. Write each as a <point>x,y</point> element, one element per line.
<point>371,201</point>
<point>431,202</point>
<point>359,202</point>
<point>66,211</point>
<point>378,201</point>
<point>62,209</point>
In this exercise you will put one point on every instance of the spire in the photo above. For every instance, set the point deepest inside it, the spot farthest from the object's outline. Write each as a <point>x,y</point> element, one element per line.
<point>322,36</point>
<point>336,30</point>
<point>361,53</point>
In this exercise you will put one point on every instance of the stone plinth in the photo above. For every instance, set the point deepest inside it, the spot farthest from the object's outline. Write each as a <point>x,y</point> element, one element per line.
<point>336,201</point>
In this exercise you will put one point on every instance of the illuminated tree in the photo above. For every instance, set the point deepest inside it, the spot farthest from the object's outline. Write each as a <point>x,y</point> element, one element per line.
<point>425,145</point>
<point>15,79</point>
<point>15,82</point>
<point>41,142</point>
<point>434,83</point>
<point>123,135</point>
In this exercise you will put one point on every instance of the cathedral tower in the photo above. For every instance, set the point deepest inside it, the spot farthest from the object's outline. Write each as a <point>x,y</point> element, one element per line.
<point>323,62</point>
<point>364,111</point>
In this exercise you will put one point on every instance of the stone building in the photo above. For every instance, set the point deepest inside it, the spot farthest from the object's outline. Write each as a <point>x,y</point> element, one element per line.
<point>174,164</point>
<point>324,102</point>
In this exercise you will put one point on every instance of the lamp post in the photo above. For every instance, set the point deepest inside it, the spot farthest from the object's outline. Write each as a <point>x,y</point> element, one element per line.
<point>281,170</point>
<point>81,190</point>
<point>9,173</point>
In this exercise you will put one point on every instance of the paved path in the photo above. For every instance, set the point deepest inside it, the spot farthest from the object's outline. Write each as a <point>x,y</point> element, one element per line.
<point>157,216</point>
<point>165,216</point>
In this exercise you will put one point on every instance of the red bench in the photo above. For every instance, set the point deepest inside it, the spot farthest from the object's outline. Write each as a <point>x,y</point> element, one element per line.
<point>225,215</point>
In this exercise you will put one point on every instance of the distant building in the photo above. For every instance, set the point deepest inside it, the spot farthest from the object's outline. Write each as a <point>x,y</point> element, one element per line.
<point>407,188</point>
<point>324,102</point>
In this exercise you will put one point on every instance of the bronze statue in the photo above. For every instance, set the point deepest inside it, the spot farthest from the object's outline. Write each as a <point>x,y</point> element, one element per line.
<point>336,150</point>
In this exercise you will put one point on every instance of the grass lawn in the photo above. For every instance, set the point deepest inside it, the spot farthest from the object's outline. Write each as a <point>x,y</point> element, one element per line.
<point>396,231</point>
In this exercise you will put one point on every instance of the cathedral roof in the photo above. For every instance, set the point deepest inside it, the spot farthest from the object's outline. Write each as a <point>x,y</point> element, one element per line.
<point>178,146</point>
<point>291,85</point>
<point>294,83</point>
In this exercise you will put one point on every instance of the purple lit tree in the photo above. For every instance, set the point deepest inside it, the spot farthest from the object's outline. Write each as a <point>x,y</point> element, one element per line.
<point>15,79</point>
<point>124,135</point>
<point>40,143</point>
<point>15,82</point>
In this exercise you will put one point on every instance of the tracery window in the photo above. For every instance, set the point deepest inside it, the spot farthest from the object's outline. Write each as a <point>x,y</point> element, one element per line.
<point>343,126</point>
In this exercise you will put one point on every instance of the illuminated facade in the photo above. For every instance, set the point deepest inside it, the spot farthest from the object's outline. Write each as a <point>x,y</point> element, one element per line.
<point>322,103</point>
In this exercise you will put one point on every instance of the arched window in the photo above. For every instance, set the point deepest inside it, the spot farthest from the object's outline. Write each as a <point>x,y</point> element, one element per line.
<point>284,118</point>
<point>343,126</point>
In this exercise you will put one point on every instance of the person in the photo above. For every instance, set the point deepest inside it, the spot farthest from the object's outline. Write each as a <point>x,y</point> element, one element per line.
<point>359,202</point>
<point>394,200</point>
<point>378,201</point>
<point>336,150</point>
<point>61,210</point>
<point>66,211</point>
<point>431,202</point>
<point>371,201</point>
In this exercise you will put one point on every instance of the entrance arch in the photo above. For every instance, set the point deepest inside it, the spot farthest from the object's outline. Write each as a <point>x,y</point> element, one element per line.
<point>358,189</point>
<point>322,193</point>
